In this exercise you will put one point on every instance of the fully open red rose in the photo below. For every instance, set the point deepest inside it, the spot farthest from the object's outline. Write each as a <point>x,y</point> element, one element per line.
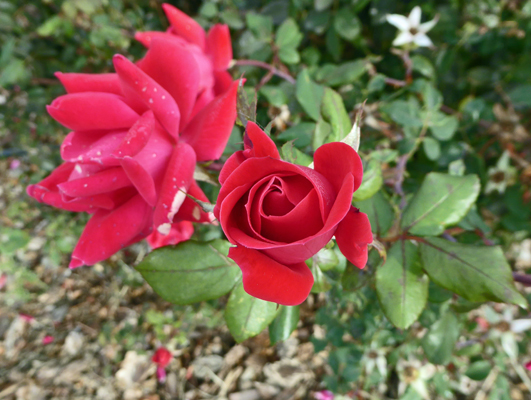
<point>136,136</point>
<point>280,214</point>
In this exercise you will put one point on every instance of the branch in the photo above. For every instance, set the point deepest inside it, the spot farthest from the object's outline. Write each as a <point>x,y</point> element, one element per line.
<point>270,68</point>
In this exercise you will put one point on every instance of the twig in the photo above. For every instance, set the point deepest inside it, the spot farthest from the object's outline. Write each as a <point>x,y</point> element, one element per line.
<point>260,64</point>
<point>524,279</point>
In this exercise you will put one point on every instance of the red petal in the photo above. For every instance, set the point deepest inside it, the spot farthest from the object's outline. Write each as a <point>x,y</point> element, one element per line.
<point>174,67</point>
<point>177,180</point>
<point>180,231</point>
<point>335,160</point>
<point>219,46</point>
<point>137,137</point>
<point>353,235</point>
<point>141,179</point>
<point>76,83</point>
<point>184,26</point>
<point>209,131</point>
<point>269,280</point>
<point>92,111</point>
<point>92,147</point>
<point>147,37</point>
<point>261,145</point>
<point>153,95</point>
<point>105,181</point>
<point>230,165</point>
<point>109,231</point>
<point>222,82</point>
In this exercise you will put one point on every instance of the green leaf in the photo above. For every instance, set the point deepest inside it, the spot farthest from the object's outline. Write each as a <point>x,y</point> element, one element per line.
<point>405,113</point>
<point>247,316</point>
<point>191,271</point>
<point>261,26</point>
<point>401,285</point>
<point>322,130</point>
<point>232,19</point>
<point>477,273</point>
<point>14,72</point>
<point>432,148</point>
<point>372,181</point>
<point>301,134</point>
<point>438,344</point>
<point>478,370</point>
<point>289,55</point>
<point>346,24</point>
<point>293,155</point>
<point>336,115</point>
<point>431,96</point>
<point>326,259</point>
<point>521,96</point>
<point>422,65</point>
<point>320,281</point>
<point>354,278</point>
<point>443,127</point>
<point>274,94</point>
<point>321,5</point>
<point>285,322</point>
<point>288,35</point>
<point>379,211</point>
<point>309,94</point>
<point>50,26</point>
<point>442,200</point>
<point>345,73</point>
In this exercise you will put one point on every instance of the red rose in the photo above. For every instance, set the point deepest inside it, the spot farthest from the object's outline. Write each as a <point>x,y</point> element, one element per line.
<point>137,135</point>
<point>212,51</point>
<point>279,214</point>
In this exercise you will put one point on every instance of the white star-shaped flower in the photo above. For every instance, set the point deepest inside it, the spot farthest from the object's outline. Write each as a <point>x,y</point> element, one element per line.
<point>411,30</point>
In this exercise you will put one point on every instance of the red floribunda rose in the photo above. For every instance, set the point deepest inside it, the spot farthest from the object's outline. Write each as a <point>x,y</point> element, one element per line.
<point>136,136</point>
<point>212,51</point>
<point>279,214</point>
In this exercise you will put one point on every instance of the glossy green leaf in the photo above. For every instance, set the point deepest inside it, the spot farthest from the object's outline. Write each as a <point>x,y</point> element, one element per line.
<point>405,113</point>
<point>422,65</point>
<point>345,73</point>
<point>442,200</point>
<point>260,25</point>
<point>326,259</point>
<point>477,273</point>
<point>288,35</point>
<point>191,271</point>
<point>347,25</point>
<point>320,281</point>
<point>478,370</point>
<point>354,278</point>
<point>322,130</point>
<point>335,113</point>
<point>309,94</point>
<point>372,181</point>
<point>443,127</point>
<point>432,148</point>
<point>401,285</point>
<point>247,316</point>
<point>293,155</point>
<point>285,322</point>
<point>380,212</point>
<point>438,344</point>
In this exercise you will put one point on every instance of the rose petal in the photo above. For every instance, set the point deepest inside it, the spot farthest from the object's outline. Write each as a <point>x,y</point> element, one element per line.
<point>141,179</point>
<point>336,160</point>
<point>179,232</point>
<point>269,280</point>
<point>153,95</point>
<point>259,143</point>
<point>109,231</point>
<point>230,165</point>
<point>184,26</point>
<point>104,181</point>
<point>147,37</point>
<point>174,67</point>
<point>353,234</point>
<point>209,131</point>
<point>219,46</point>
<point>222,82</point>
<point>137,137</point>
<point>176,182</point>
<point>76,83</point>
<point>92,147</point>
<point>92,111</point>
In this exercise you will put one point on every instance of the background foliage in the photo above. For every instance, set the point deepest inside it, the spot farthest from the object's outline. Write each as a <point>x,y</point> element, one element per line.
<point>447,154</point>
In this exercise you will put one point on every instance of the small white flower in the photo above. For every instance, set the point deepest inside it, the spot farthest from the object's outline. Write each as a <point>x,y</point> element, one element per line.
<point>411,30</point>
<point>413,373</point>
<point>502,175</point>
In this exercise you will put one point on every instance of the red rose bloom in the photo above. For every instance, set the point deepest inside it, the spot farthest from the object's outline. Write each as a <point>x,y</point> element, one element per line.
<point>279,214</point>
<point>136,136</point>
